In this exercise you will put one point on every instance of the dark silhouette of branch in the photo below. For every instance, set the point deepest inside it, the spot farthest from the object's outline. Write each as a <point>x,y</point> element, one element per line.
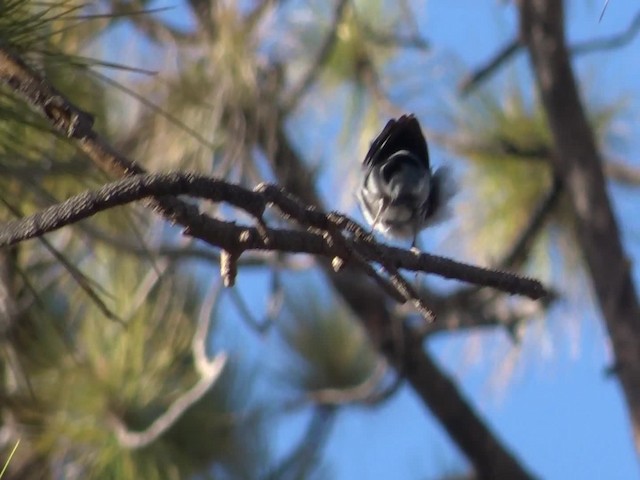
<point>236,238</point>
<point>174,252</point>
<point>508,51</point>
<point>580,167</point>
<point>472,307</point>
<point>482,73</point>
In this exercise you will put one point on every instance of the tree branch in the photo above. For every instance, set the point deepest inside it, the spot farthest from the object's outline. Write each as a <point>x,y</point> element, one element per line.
<point>153,29</point>
<point>134,440</point>
<point>365,391</point>
<point>235,238</point>
<point>622,173</point>
<point>519,250</point>
<point>513,46</point>
<point>209,372</point>
<point>608,43</point>
<point>482,73</point>
<point>321,58</point>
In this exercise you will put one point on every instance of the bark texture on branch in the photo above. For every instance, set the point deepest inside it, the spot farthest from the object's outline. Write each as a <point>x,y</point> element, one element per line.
<point>579,165</point>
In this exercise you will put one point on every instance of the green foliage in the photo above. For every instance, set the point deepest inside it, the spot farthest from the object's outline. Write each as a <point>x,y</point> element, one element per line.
<point>507,145</point>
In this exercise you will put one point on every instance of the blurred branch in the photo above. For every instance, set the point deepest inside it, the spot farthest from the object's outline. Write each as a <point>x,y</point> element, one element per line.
<point>134,439</point>
<point>208,370</point>
<point>254,259</point>
<point>153,29</point>
<point>277,291</point>
<point>202,11</point>
<point>476,77</point>
<point>298,91</point>
<point>521,247</point>
<point>193,252</point>
<point>199,342</point>
<point>254,16</point>
<point>473,307</point>
<point>85,283</point>
<point>609,43</point>
<point>414,40</point>
<point>622,173</point>
<point>370,78</point>
<point>480,74</point>
<point>295,465</point>
<point>580,167</point>
<point>362,392</point>
<point>245,313</point>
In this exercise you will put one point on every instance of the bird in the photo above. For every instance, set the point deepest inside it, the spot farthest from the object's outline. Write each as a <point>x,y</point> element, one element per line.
<point>399,194</point>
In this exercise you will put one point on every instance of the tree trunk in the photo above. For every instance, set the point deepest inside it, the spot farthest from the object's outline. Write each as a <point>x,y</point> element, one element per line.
<point>579,166</point>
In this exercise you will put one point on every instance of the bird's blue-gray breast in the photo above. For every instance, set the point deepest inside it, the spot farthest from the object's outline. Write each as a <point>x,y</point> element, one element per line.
<point>399,195</point>
<point>394,192</point>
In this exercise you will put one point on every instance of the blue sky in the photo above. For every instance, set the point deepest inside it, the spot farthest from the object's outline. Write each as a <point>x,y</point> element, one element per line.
<point>559,413</point>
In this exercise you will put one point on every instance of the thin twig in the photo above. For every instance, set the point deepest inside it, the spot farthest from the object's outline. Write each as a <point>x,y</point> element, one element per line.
<point>140,439</point>
<point>480,74</point>
<point>321,58</point>
<point>209,371</point>
<point>361,392</point>
<point>245,313</point>
<point>622,173</point>
<point>518,252</point>
<point>153,29</point>
<point>84,282</point>
<point>608,43</point>
<point>513,46</point>
<point>296,463</point>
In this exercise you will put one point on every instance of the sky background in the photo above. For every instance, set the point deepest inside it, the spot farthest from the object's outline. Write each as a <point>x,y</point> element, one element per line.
<point>559,413</point>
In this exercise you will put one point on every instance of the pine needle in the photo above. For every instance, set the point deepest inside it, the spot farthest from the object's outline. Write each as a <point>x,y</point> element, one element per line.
<point>15,447</point>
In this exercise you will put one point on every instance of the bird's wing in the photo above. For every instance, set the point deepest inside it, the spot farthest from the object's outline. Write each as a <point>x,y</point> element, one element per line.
<point>401,134</point>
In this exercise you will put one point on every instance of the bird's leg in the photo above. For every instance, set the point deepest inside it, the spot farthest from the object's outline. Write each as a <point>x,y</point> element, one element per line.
<point>383,205</point>
<point>417,250</point>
